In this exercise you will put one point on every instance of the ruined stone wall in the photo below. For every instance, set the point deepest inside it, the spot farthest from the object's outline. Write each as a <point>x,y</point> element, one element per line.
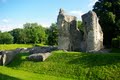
<point>93,35</point>
<point>68,33</point>
<point>71,39</point>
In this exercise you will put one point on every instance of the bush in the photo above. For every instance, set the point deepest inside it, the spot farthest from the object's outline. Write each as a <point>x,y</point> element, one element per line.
<point>119,40</point>
<point>116,42</point>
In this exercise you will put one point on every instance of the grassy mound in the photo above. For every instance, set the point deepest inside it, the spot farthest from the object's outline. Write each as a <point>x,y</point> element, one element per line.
<point>62,66</point>
<point>73,65</point>
<point>11,74</point>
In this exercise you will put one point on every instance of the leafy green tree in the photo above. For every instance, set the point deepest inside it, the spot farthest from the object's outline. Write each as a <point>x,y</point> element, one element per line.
<point>31,33</point>
<point>108,12</point>
<point>80,25</point>
<point>19,35</point>
<point>6,38</point>
<point>52,33</point>
<point>34,32</point>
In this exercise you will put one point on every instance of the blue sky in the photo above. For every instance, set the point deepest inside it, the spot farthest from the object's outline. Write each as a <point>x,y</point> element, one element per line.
<point>15,13</point>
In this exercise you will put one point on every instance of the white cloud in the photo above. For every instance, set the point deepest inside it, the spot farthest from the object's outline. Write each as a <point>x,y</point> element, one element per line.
<point>77,13</point>
<point>6,20</point>
<point>92,2</point>
<point>9,27</point>
<point>45,24</point>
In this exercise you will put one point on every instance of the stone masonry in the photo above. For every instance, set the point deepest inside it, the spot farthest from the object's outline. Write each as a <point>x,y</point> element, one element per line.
<point>93,35</point>
<point>68,33</point>
<point>71,39</point>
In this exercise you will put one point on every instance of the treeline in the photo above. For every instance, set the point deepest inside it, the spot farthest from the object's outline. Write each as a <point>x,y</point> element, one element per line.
<point>32,33</point>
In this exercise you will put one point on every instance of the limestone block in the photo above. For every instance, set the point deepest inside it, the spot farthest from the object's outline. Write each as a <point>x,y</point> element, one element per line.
<point>38,56</point>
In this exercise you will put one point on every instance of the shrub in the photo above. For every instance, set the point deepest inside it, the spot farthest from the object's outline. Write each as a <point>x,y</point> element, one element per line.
<point>116,42</point>
<point>119,40</point>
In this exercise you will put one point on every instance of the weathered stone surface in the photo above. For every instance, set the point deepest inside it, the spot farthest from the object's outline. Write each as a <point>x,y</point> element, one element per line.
<point>71,39</point>
<point>22,50</point>
<point>0,57</point>
<point>41,49</point>
<point>38,56</point>
<point>40,53</point>
<point>8,56</point>
<point>93,35</point>
<point>69,36</point>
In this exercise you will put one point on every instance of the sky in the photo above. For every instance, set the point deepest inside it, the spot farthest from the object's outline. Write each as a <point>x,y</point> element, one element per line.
<point>15,13</point>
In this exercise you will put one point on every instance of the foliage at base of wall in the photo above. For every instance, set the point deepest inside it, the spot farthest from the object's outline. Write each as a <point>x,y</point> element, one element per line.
<point>116,42</point>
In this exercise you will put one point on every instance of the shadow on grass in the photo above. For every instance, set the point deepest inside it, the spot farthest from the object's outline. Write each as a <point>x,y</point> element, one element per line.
<point>115,50</point>
<point>21,57</point>
<point>91,60</point>
<point>6,77</point>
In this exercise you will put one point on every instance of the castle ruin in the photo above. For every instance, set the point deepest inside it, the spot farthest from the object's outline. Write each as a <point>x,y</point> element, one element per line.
<point>70,37</point>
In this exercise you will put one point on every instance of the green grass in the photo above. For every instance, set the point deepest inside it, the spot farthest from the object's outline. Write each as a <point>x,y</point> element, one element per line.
<point>14,46</point>
<point>11,74</point>
<point>65,65</point>
<point>73,65</point>
<point>114,50</point>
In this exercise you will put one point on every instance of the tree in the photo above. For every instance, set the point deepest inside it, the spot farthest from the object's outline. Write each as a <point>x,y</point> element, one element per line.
<point>6,38</point>
<point>80,25</point>
<point>108,12</point>
<point>31,33</point>
<point>19,35</point>
<point>52,33</point>
<point>34,32</point>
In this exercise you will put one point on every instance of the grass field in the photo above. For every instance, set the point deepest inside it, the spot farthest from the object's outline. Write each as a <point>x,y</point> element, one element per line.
<point>11,74</point>
<point>14,46</point>
<point>65,66</point>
